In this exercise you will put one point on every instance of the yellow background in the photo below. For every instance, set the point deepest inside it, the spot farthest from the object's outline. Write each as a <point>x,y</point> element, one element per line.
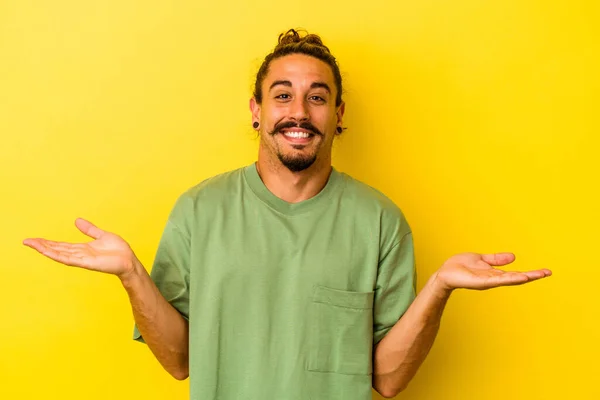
<point>479,118</point>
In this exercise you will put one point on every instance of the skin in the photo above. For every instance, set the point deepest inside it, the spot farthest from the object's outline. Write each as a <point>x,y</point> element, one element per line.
<point>164,330</point>
<point>401,352</point>
<point>301,100</point>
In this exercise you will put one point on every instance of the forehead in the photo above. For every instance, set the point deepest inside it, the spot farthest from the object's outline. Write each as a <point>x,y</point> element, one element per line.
<point>300,70</point>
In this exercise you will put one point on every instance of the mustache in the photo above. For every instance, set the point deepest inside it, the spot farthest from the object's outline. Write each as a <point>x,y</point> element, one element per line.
<point>291,124</point>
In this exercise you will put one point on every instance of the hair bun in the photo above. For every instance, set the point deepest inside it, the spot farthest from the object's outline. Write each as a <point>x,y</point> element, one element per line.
<point>293,36</point>
<point>292,42</point>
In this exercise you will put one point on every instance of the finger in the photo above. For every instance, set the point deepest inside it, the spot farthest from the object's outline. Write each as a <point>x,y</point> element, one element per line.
<point>42,246</point>
<point>533,273</point>
<point>61,245</point>
<point>508,279</point>
<point>537,274</point>
<point>518,278</point>
<point>39,243</point>
<point>35,243</point>
<point>498,259</point>
<point>64,257</point>
<point>88,228</point>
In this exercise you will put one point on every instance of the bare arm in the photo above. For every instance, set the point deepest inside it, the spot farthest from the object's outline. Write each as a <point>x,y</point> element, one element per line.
<point>400,353</point>
<point>163,328</point>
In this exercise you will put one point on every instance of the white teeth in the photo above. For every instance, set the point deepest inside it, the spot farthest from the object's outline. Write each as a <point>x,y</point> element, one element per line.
<point>297,134</point>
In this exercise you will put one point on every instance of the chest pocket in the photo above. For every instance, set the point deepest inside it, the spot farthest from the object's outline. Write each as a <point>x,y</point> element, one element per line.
<point>340,331</point>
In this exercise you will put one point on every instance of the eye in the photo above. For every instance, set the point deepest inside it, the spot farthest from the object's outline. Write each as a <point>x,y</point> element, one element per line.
<point>318,99</point>
<point>283,96</point>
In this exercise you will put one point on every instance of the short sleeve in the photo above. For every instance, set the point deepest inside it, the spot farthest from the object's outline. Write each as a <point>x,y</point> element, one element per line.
<point>171,267</point>
<point>395,289</point>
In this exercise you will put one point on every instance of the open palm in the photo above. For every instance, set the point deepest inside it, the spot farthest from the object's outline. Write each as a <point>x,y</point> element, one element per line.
<point>476,271</point>
<point>108,253</point>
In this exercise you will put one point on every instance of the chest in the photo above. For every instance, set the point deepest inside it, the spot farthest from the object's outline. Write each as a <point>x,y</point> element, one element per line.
<point>264,248</point>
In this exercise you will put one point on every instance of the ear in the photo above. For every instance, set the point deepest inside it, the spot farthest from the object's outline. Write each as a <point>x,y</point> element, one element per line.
<point>255,110</point>
<point>340,113</point>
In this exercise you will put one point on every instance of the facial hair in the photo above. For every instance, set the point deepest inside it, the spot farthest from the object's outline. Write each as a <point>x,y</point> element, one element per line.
<point>296,163</point>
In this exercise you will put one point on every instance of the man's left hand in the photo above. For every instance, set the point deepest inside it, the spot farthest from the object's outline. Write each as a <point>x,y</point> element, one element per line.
<point>477,271</point>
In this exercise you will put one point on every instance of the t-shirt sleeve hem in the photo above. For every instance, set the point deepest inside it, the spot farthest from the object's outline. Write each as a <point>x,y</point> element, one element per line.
<point>137,336</point>
<point>380,334</point>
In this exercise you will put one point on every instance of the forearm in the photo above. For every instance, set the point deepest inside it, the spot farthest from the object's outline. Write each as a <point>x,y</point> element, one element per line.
<point>163,328</point>
<point>399,354</point>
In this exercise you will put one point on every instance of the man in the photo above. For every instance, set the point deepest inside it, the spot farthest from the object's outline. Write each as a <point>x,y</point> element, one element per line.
<point>286,279</point>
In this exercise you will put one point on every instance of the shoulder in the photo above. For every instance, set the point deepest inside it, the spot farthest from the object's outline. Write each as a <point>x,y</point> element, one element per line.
<point>369,197</point>
<point>211,190</point>
<point>375,204</point>
<point>216,186</point>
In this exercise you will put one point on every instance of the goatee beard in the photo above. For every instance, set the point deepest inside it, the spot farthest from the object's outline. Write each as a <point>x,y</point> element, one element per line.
<point>297,164</point>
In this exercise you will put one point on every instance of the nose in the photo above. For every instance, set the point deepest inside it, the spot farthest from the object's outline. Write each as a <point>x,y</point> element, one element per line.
<point>299,110</point>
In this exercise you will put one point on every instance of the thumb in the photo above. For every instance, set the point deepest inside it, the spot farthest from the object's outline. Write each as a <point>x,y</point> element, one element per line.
<point>88,228</point>
<point>498,259</point>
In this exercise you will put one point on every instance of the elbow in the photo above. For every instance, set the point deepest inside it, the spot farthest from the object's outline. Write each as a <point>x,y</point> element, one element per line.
<point>181,377</point>
<point>390,391</point>
<point>179,366</point>
<point>179,370</point>
<point>180,374</point>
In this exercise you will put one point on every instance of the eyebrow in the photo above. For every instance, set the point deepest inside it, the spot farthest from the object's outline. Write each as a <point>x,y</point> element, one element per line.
<point>314,85</point>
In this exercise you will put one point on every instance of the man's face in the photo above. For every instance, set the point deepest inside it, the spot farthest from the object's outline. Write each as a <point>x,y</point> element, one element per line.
<point>298,116</point>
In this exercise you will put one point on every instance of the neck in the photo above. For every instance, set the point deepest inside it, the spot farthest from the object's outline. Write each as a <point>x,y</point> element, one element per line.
<point>289,186</point>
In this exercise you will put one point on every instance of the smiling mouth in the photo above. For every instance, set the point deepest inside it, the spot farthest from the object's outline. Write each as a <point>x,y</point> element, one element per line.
<point>297,134</point>
<point>297,137</point>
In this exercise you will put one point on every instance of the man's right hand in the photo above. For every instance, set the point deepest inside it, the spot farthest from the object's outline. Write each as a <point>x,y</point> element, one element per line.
<point>108,253</point>
<point>163,328</point>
